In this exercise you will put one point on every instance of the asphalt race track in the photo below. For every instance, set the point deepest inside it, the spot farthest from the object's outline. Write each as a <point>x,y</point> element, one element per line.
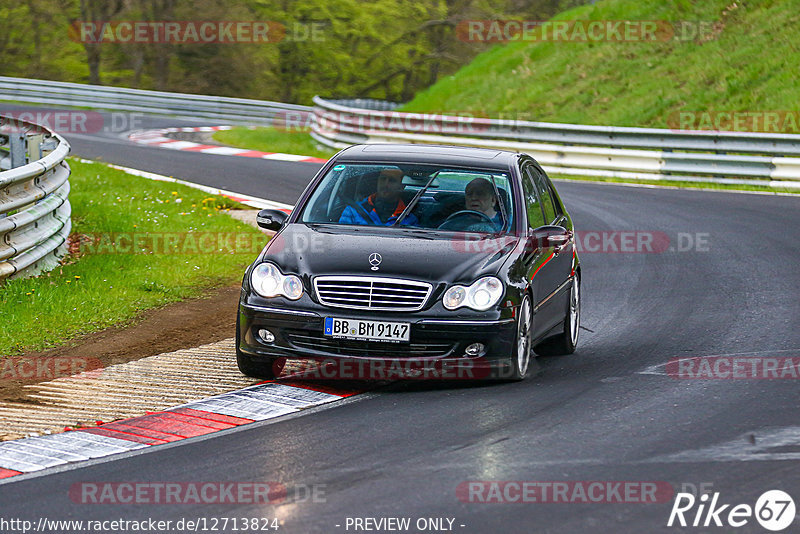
<point>611,412</point>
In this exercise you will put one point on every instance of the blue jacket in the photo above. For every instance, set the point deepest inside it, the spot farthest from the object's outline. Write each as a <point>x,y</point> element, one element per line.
<point>498,221</point>
<point>350,215</point>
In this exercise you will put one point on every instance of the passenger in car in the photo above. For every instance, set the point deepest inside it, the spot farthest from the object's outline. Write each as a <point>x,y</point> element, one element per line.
<point>480,196</point>
<point>383,207</point>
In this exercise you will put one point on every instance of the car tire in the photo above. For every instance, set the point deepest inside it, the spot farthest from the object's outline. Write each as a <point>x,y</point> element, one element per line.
<point>565,343</point>
<point>521,357</point>
<point>265,368</point>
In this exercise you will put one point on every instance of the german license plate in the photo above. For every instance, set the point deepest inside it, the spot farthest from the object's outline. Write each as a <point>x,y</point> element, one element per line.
<point>368,330</point>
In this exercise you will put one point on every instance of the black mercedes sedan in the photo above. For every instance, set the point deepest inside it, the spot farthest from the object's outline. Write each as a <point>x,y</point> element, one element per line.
<point>439,261</point>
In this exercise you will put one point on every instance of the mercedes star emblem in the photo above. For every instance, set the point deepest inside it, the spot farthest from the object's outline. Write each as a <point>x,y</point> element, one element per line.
<point>375,260</point>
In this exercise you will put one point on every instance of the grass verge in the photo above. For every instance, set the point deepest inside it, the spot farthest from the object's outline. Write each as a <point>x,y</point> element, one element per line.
<point>136,244</point>
<point>272,140</point>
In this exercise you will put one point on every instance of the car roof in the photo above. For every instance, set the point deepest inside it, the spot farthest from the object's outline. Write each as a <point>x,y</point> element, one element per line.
<point>441,154</point>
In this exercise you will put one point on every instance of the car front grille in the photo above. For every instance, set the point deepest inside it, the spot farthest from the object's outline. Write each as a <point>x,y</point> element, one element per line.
<point>372,293</point>
<point>304,340</point>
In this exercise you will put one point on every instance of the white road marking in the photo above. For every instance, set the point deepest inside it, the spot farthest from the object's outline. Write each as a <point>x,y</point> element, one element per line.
<point>285,157</point>
<point>178,145</point>
<point>658,369</point>
<point>158,138</point>
<point>223,150</point>
<point>754,446</point>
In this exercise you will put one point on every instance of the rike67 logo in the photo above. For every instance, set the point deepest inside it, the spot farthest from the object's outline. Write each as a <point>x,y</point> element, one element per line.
<point>774,510</point>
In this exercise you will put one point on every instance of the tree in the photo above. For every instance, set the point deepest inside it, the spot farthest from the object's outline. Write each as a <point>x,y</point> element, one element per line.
<point>98,12</point>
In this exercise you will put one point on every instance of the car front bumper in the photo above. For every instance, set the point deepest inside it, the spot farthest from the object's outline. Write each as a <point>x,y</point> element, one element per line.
<point>437,345</point>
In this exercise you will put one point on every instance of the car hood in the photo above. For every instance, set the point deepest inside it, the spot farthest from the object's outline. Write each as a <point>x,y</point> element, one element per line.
<point>404,252</point>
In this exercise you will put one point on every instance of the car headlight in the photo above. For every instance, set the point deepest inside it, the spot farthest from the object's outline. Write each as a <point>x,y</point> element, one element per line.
<point>268,281</point>
<point>480,296</point>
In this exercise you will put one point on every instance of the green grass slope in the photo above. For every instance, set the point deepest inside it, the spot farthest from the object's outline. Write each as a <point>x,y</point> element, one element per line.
<point>747,61</point>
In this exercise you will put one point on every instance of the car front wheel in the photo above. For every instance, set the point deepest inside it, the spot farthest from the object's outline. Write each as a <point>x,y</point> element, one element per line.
<point>267,369</point>
<point>521,358</point>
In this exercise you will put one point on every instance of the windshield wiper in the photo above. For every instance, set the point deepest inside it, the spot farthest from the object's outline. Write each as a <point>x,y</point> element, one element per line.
<point>415,200</point>
<point>423,233</point>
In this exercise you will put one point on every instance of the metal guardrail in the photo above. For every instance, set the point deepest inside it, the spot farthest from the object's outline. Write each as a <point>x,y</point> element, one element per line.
<point>366,103</point>
<point>137,100</point>
<point>605,151</point>
<point>34,208</point>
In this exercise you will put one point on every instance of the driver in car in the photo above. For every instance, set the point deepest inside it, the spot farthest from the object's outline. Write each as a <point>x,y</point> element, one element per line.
<point>383,207</point>
<point>480,196</point>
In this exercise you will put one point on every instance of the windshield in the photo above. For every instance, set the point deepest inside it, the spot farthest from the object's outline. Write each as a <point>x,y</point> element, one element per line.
<point>419,196</point>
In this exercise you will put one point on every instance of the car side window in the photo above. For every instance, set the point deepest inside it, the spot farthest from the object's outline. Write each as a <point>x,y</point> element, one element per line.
<point>546,196</point>
<point>532,205</point>
<point>558,205</point>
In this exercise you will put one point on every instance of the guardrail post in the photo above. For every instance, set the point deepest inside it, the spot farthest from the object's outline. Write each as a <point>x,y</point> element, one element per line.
<point>35,151</point>
<point>17,148</point>
<point>35,147</point>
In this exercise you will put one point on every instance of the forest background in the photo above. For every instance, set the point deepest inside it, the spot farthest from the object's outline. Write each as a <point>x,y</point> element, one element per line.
<point>386,49</point>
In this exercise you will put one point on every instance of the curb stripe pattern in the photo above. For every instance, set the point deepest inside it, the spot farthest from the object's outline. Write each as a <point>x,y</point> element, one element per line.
<point>227,400</point>
<point>6,473</point>
<point>220,412</point>
<point>159,138</point>
<point>260,402</point>
<point>34,454</point>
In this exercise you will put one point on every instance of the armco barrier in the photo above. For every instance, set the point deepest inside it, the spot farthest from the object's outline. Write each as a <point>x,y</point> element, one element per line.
<point>136,100</point>
<point>617,152</point>
<point>34,208</point>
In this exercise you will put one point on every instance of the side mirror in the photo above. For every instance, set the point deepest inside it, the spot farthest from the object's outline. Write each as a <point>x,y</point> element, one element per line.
<point>271,219</point>
<point>548,236</point>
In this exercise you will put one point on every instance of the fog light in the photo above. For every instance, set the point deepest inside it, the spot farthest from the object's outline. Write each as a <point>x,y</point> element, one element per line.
<point>266,335</point>
<point>474,349</point>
